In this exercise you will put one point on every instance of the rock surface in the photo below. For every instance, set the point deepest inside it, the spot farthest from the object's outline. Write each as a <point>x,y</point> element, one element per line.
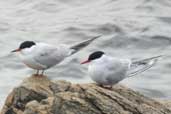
<point>39,95</point>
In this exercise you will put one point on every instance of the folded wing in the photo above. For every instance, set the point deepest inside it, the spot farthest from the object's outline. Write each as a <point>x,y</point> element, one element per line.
<point>48,55</point>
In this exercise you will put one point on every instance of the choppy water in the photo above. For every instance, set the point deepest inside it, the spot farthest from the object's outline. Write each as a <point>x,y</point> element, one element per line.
<point>129,29</point>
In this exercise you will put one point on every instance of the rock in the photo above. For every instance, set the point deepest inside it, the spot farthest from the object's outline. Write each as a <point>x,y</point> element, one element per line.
<point>166,102</point>
<point>39,95</point>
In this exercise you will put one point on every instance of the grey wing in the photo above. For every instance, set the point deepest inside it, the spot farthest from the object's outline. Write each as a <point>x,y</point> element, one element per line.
<point>117,71</point>
<point>140,66</point>
<point>49,56</point>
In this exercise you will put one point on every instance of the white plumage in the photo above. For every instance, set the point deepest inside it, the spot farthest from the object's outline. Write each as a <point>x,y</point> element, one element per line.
<point>107,70</point>
<point>41,56</point>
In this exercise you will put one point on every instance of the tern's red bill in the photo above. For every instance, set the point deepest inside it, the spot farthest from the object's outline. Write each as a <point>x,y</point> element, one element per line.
<point>84,62</point>
<point>16,50</point>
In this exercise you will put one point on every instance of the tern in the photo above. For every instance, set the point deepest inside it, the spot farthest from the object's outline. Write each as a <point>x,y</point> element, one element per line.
<point>42,56</point>
<point>107,71</point>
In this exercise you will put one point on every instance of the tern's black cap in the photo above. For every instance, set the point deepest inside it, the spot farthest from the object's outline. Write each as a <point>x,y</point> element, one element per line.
<point>95,55</point>
<point>27,44</point>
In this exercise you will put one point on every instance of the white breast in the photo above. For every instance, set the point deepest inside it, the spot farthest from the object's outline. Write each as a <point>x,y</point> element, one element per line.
<point>29,61</point>
<point>108,70</point>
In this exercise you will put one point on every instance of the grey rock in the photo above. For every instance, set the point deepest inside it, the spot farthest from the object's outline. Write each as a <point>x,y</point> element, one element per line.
<point>39,95</point>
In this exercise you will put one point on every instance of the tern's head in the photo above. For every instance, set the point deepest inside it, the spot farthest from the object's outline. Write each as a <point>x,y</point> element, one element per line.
<point>94,56</point>
<point>24,45</point>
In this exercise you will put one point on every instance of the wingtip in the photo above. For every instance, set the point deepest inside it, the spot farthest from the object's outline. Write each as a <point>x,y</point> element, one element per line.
<point>157,57</point>
<point>83,44</point>
<point>96,37</point>
<point>87,42</point>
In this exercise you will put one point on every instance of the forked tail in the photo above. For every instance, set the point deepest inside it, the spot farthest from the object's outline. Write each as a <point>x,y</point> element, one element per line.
<point>142,65</point>
<point>83,44</point>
